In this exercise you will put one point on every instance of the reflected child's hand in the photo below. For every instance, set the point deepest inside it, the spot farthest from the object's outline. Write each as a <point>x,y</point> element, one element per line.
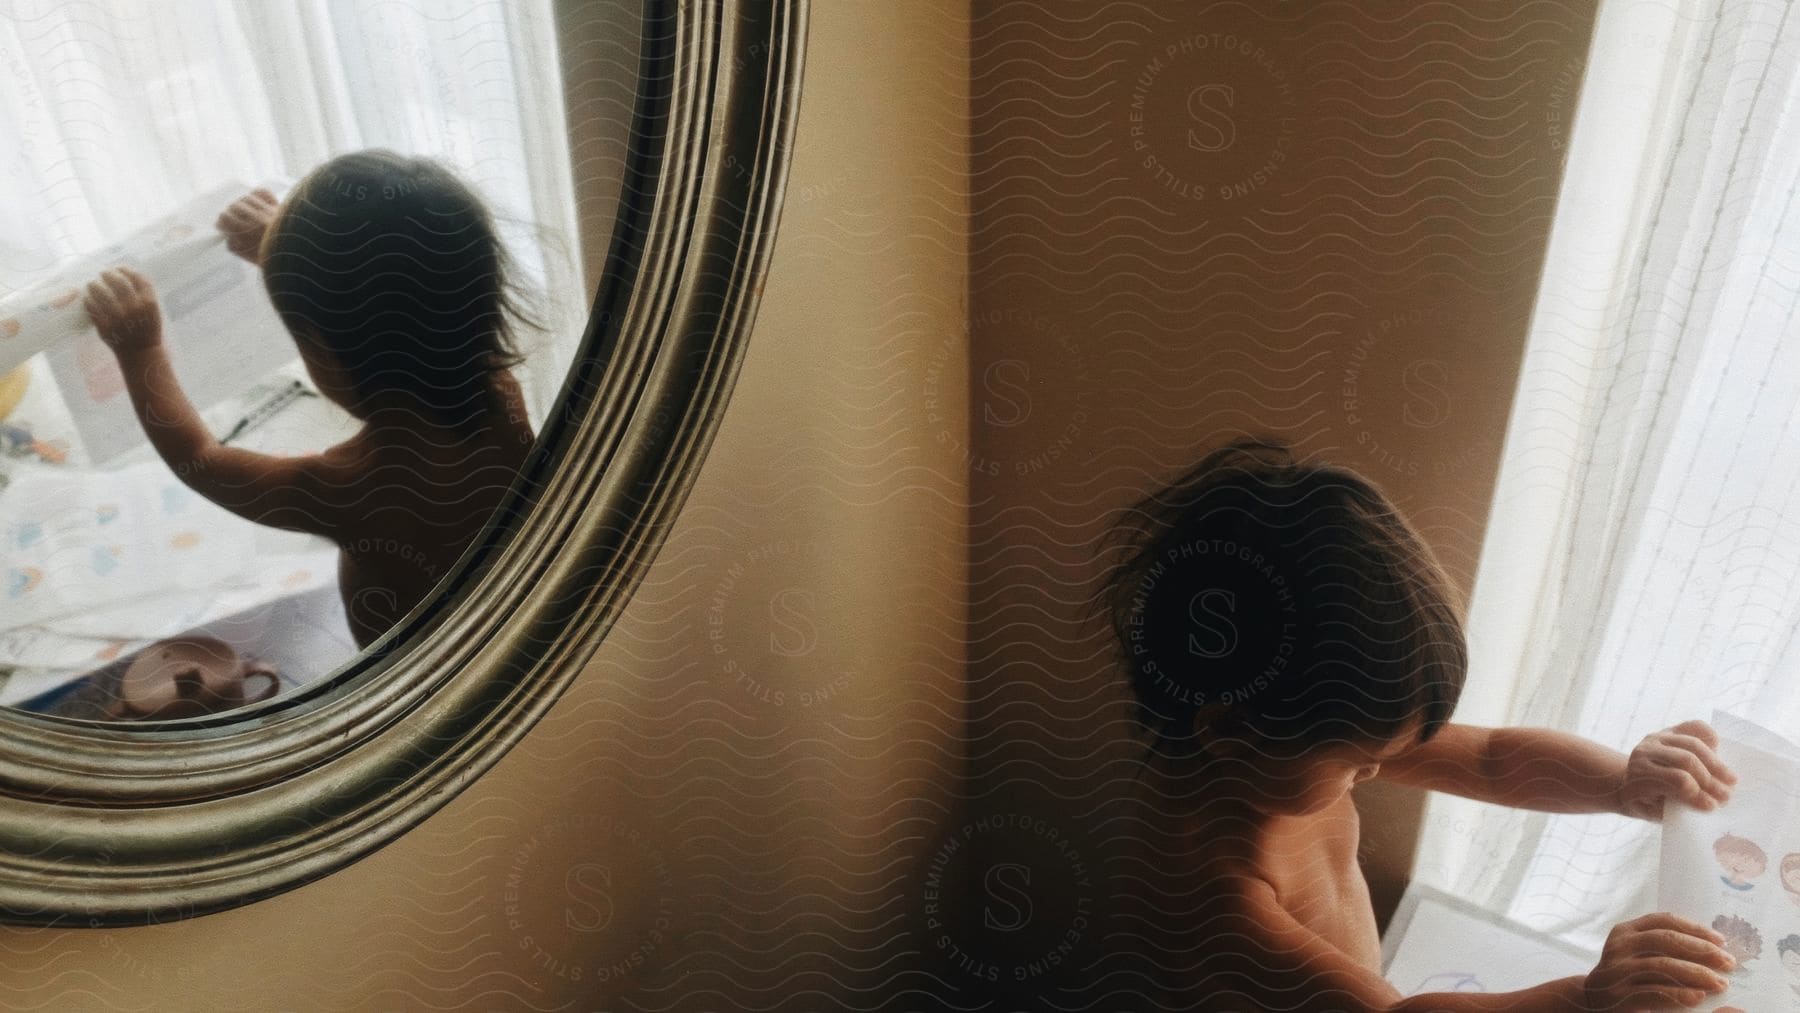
<point>1679,763</point>
<point>122,305</point>
<point>246,221</point>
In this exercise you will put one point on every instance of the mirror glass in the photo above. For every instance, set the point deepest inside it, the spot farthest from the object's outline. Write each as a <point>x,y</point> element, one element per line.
<point>286,292</point>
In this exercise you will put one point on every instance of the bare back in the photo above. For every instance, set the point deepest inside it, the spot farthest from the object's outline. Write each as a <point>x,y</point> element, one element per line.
<point>412,500</point>
<point>1310,870</point>
<point>1288,926</point>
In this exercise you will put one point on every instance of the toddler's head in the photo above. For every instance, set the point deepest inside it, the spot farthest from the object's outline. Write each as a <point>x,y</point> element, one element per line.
<point>390,274</point>
<point>1283,615</point>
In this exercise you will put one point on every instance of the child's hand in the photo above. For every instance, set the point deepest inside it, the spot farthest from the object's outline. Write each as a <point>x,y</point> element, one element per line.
<point>1678,763</point>
<point>245,222</point>
<point>122,305</point>
<point>1657,961</point>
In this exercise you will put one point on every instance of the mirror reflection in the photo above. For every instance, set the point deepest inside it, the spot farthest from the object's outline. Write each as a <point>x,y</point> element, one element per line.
<point>286,294</point>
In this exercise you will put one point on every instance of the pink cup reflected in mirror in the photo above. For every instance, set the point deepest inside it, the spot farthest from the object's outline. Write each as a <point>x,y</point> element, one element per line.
<point>188,677</point>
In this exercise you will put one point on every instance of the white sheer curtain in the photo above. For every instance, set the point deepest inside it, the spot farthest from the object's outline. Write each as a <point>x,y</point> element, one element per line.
<point>116,111</point>
<point>1642,565</point>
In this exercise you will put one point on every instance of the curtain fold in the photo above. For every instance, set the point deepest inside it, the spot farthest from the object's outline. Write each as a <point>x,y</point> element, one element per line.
<point>1644,544</point>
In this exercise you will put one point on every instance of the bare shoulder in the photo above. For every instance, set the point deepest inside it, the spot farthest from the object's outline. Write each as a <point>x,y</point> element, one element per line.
<point>1453,760</point>
<point>337,481</point>
<point>351,454</point>
<point>329,476</point>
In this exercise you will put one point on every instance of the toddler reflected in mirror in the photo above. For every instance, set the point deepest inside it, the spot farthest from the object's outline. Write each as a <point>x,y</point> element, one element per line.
<point>392,279</point>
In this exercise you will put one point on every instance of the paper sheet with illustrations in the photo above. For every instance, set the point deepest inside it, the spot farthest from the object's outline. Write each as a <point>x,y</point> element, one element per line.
<point>1737,868</point>
<point>217,322</point>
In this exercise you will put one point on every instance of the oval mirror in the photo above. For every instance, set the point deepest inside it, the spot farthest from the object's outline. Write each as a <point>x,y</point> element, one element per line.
<point>354,358</point>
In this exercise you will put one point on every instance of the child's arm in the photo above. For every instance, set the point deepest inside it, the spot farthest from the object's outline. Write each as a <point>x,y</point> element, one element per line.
<point>1258,957</point>
<point>1552,771</point>
<point>284,492</point>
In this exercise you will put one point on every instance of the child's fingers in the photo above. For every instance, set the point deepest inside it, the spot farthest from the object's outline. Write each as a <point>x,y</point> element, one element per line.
<point>1668,920</point>
<point>1689,773</point>
<point>131,290</point>
<point>1689,947</point>
<point>1698,786</point>
<point>139,284</point>
<point>1699,730</point>
<point>252,205</point>
<point>1666,771</point>
<point>1654,972</point>
<point>1722,777</point>
<point>120,284</point>
<point>99,297</point>
<point>239,222</point>
<point>1646,988</point>
<point>1682,785</point>
<point>241,211</point>
<point>1687,974</point>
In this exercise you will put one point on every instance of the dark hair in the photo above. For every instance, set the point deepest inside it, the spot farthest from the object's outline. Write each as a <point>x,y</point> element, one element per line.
<point>393,267</point>
<point>1288,600</point>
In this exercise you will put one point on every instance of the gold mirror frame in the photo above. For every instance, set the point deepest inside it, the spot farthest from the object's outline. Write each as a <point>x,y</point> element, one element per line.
<point>106,826</point>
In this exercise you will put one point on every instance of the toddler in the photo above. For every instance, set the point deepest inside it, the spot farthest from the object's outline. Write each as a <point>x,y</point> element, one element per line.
<point>391,278</point>
<point>1287,635</point>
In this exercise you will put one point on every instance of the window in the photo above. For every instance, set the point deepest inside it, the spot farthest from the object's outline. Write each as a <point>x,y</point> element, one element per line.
<point>1642,565</point>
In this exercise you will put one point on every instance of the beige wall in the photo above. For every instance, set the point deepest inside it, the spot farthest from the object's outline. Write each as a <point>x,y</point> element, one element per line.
<point>1323,221</point>
<point>737,789</point>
